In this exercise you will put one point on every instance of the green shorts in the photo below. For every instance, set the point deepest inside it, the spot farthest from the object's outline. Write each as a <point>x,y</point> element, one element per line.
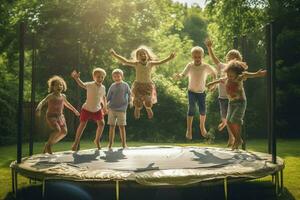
<point>236,111</point>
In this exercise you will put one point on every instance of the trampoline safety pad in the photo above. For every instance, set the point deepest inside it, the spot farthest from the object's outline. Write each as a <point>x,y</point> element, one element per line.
<point>150,165</point>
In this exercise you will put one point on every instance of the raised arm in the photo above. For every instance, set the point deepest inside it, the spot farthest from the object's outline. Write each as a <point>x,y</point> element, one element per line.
<point>122,59</point>
<point>259,73</point>
<point>211,53</point>
<point>170,57</point>
<point>76,76</point>
<point>69,106</point>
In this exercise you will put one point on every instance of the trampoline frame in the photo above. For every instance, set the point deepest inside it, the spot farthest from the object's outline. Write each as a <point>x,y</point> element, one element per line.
<point>277,177</point>
<point>277,180</point>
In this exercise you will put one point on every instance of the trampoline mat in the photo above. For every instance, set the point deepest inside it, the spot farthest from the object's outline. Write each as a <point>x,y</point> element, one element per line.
<point>150,162</point>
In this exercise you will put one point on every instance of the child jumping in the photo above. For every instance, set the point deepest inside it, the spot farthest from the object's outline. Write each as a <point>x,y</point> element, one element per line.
<point>143,89</point>
<point>236,74</point>
<point>56,101</point>
<point>118,97</point>
<point>223,100</point>
<point>92,108</point>
<point>197,71</point>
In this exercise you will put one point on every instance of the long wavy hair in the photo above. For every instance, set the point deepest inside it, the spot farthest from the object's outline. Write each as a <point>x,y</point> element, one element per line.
<point>147,50</point>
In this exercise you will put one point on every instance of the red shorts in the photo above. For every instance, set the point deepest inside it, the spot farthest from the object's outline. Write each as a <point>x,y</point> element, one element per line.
<point>87,115</point>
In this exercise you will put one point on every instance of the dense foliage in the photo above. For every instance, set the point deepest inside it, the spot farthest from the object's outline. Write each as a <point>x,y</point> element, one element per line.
<point>77,34</point>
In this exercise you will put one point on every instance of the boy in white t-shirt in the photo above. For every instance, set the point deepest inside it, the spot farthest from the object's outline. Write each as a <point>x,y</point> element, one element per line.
<point>197,71</point>
<point>92,109</point>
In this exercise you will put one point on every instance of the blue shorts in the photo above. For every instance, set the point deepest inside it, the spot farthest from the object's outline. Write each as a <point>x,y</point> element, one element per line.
<point>196,98</point>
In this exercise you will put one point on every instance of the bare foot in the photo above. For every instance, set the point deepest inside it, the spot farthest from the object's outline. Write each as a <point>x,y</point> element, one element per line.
<point>137,113</point>
<point>47,149</point>
<point>188,135</point>
<point>125,146</point>
<point>203,132</point>
<point>236,144</point>
<point>149,113</point>
<point>230,143</point>
<point>97,143</point>
<point>109,148</point>
<point>221,126</point>
<point>74,147</point>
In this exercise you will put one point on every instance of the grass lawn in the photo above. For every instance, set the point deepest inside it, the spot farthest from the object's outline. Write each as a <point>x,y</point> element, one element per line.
<point>287,149</point>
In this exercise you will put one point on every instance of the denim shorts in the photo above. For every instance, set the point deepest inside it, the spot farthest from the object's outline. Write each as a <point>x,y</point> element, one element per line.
<point>199,99</point>
<point>236,111</point>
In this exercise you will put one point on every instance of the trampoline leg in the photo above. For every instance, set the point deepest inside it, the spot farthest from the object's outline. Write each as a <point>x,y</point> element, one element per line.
<point>225,188</point>
<point>13,181</point>
<point>281,182</point>
<point>277,183</point>
<point>117,190</point>
<point>16,184</point>
<point>43,188</point>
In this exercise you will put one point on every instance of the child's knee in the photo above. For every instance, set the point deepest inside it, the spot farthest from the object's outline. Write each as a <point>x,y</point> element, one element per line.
<point>191,111</point>
<point>112,126</point>
<point>57,129</point>
<point>64,131</point>
<point>100,123</point>
<point>148,103</point>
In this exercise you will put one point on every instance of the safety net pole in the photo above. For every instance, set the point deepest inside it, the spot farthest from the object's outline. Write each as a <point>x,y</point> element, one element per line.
<point>21,92</point>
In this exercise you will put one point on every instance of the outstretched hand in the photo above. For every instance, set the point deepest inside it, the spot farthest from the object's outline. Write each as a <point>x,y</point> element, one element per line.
<point>208,42</point>
<point>210,86</point>
<point>261,72</point>
<point>105,111</point>
<point>172,55</point>
<point>112,52</point>
<point>75,74</point>
<point>76,113</point>
<point>177,76</point>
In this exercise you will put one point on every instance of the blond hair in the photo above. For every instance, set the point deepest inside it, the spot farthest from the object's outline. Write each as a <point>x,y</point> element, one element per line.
<point>54,79</point>
<point>234,54</point>
<point>148,51</point>
<point>117,71</point>
<point>99,70</point>
<point>198,49</point>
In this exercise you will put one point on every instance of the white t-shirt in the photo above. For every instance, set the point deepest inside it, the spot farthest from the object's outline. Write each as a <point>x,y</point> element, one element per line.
<point>197,76</point>
<point>143,72</point>
<point>94,95</point>
<point>221,86</point>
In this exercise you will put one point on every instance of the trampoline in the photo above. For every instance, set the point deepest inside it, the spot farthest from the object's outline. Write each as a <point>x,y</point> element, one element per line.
<point>150,166</point>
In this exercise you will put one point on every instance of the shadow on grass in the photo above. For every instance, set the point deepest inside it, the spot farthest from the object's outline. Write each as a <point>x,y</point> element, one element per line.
<point>72,191</point>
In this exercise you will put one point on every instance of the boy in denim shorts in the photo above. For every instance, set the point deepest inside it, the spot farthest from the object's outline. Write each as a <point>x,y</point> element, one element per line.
<point>197,72</point>
<point>118,97</point>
